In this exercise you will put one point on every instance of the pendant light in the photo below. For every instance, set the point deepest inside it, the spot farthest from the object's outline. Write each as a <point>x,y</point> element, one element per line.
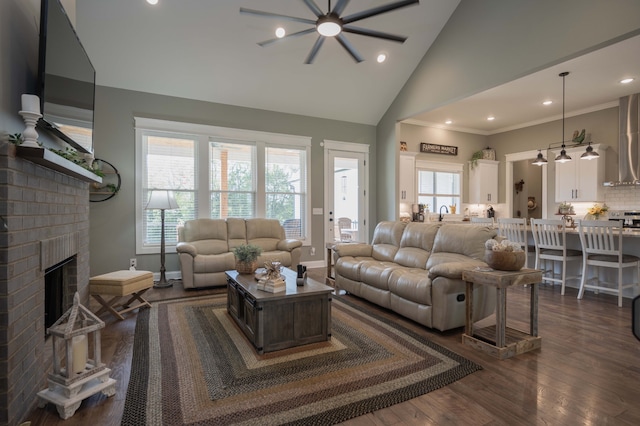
<point>540,160</point>
<point>563,157</point>
<point>589,154</point>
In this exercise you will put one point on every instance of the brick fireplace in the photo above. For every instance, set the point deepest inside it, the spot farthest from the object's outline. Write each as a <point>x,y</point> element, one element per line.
<point>44,221</point>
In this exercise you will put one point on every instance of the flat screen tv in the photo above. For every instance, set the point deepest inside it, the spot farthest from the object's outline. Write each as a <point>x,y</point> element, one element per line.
<point>66,79</point>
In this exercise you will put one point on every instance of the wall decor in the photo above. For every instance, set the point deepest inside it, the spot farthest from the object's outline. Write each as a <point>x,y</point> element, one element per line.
<point>433,148</point>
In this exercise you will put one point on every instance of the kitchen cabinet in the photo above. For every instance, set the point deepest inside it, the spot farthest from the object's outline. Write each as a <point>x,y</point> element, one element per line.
<point>580,180</point>
<point>407,178</point>
<point>483,182</point>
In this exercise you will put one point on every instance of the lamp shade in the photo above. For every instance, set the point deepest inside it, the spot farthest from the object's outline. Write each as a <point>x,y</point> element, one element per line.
<point>161,200</point>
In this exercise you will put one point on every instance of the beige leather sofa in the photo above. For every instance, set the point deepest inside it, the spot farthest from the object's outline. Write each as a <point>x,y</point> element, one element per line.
<point>415,269</point>
<point>205,247</point>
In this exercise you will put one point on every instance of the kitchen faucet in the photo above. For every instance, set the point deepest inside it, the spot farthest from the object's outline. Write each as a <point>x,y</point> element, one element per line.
<point>440,216</point>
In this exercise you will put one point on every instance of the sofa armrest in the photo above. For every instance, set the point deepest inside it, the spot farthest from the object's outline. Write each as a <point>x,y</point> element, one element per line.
<point>289,244</point>
<point>355,250</point>
<point>187,248</point>
<point>453,270</point>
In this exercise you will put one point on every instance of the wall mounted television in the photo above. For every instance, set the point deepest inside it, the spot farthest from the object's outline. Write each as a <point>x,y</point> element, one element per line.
<point>66,80</point>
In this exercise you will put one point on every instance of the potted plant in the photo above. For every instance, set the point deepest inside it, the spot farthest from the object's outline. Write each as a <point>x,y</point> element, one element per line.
<point>478,155</point>
<point>565,208</point>
<point>247,258</point>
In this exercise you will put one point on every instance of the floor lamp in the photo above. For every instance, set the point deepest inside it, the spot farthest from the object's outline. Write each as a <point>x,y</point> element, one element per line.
<point>162,200</point>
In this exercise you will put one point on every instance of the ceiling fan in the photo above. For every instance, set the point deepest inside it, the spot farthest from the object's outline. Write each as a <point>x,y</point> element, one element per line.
<point>331,24</point>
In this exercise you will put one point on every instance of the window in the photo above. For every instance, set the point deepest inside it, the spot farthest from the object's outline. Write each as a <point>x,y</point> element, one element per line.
<point>439,184</point>
<point>233,182</point>
<point>218,173</point>
<point>285,188</point>
<point>170,165</point>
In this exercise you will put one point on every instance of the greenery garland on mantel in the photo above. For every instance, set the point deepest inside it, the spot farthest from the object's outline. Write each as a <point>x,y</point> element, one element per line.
<point>68,154</point>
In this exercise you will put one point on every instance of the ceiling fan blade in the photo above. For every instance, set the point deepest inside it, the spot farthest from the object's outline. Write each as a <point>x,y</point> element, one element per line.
<point>339,7</point>
<point>373,33</point>
<point>349,48</point>
<point>378,10</point>
<point>314,50</point>
<point>299,33</point>
<point>276,15</point>
<point>314,7</point>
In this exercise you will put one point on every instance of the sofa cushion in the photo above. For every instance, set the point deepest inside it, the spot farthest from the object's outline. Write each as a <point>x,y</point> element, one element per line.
<point>236,231</point>
<point>449,267</point>
<point>349,267</point>
<point>205,229</point>
<point>376,273</point>
<point>416,245</point>
<point>386,240</point>
<point>265,233</point>
<point>411,284</point>
<point>207,247</point>
<point>462,239</point>
<point>214,262</point>
<point>284,257</point>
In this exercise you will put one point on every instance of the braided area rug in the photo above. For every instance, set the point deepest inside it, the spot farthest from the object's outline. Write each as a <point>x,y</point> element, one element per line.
<point>192,366</point>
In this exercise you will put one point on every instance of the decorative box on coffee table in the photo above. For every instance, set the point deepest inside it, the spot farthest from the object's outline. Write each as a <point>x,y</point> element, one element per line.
<point>273,321</point>
<point>499,340</point>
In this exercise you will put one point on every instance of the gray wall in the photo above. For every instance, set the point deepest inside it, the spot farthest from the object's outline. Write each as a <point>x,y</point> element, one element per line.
<point>113,221</point>
<point>601,127</point>
<point>491,42</point>
<point>467,144</point>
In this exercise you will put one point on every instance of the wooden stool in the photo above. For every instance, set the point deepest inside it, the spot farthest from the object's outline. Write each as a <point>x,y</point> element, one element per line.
<point>120,284</point>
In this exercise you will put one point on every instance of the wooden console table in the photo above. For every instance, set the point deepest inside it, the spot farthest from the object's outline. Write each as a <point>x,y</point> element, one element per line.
<point>499,340</point>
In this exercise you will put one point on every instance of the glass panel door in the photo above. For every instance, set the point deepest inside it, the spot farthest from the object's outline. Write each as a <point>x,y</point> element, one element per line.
<point>346,198</point>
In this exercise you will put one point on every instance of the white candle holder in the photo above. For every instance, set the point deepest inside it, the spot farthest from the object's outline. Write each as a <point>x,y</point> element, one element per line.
<point>30,134</point>
<point>76,376</point>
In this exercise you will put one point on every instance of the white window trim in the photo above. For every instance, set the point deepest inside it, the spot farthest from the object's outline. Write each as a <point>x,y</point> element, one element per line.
<point>205,133</point>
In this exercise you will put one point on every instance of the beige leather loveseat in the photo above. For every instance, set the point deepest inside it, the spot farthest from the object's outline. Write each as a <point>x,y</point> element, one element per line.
<point>205,247</point>
<point>415,269</point>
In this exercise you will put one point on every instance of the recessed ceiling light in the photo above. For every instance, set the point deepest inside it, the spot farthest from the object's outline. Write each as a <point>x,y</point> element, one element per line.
<point>448,122</point>
<point>491,118</point>
<point>280,32</point>
<point>547,102</point>
<point>152,1</point>
<point>626,80</point>
<point>381,57</point>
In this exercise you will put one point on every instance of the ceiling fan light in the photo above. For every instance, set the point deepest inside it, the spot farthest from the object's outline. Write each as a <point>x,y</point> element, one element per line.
<point>329,26</point>
<point>280,32</point>
<point>540,160</point>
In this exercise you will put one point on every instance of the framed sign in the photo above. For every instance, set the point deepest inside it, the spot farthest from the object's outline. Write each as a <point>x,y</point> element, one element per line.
<point>433,148</point>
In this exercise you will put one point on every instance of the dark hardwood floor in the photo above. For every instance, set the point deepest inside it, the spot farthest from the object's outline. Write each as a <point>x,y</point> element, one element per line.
<point>587,372</point>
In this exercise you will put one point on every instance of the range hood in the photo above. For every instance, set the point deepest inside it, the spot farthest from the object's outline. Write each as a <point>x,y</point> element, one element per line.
<point>628,150</point>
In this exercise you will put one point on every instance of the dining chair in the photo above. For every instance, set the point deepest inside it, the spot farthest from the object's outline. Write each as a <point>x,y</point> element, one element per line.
<point>549,236</point>
<point>602,247</point>
<point>344,224</point>
<point>515,230</point>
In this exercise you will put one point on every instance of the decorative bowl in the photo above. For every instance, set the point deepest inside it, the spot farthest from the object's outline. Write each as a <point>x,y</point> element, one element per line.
<point>505,260</point>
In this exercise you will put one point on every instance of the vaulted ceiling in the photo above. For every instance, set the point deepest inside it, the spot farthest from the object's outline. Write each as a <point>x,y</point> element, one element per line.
<point>206,50</point>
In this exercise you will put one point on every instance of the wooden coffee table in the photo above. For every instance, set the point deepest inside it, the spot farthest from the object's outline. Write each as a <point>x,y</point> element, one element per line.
<point>275,321</point>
